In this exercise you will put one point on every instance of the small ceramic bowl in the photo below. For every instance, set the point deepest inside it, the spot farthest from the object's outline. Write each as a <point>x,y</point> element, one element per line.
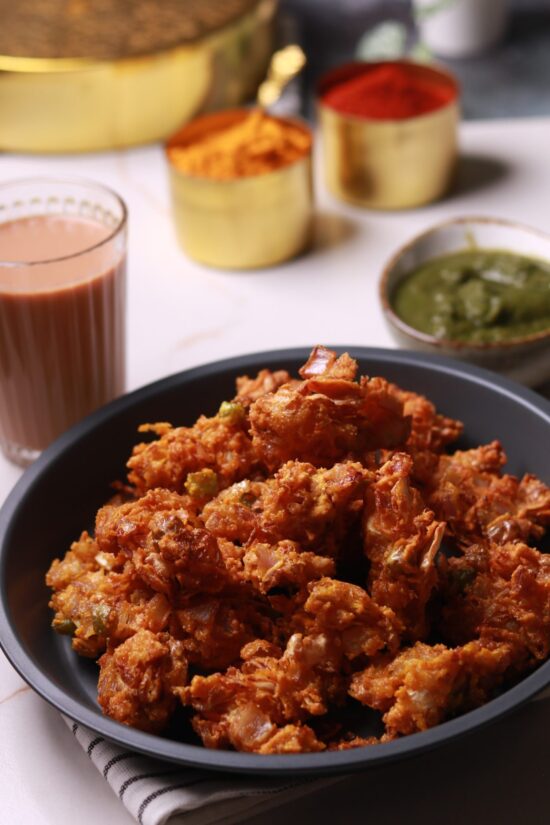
<point>525,359</point>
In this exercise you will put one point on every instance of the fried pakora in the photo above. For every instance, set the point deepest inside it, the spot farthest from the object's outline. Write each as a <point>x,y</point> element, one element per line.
<point>327,417</point>
<point>425,684</point>
<point>429,429</point>
<point>138,679</point>
<point>346,613</point>
<point>401,540</point>
<point>315,507</point>
<point>468,492</point>
<point>501,591</point>
<point>263,705</point>
<point>316,544</point>
<point>220,444</point>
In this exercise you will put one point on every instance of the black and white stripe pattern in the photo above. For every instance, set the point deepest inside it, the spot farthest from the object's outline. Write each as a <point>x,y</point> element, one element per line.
<point>154,791</point>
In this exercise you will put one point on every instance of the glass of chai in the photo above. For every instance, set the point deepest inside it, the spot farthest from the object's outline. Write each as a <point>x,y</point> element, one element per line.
<point>62,308</point>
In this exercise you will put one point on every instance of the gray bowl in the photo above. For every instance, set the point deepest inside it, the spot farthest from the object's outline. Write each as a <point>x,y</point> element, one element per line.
<point>59,494</point>
<point>526,359</point>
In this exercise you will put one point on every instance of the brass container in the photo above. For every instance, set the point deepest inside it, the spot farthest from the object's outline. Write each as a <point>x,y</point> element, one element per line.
<point>388,164</point>
<point>81,105</point>
<point>247,223</point>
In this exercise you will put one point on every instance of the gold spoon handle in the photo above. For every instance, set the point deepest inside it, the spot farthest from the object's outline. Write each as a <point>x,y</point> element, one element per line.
<point>284,66</point>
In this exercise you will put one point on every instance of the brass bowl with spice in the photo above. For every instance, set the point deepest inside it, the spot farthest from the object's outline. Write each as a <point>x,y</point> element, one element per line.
<point>474,288</point>
<point>78,76</point>
<point>241,186</point>
<point>389,133</point>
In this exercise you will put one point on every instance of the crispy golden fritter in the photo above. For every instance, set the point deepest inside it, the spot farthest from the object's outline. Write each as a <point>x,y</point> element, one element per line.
<point>83,557</point>
<point>314,507</point>
<point>160,534</point>
<point>138,678</point>
<point>86,610</point>
<point>328,417</point>
<point>264,566</point>
<point>284,564</point>
<point>263,705</point>
<point>98,608</point>
<point>250,389</point>
<point>220,444</point>
<point>401,540</point>
<point>121,528</point>
<point>98,599</point>
<point>324,362</point>
<point>425,684</point>
<point>234,513</point>
<point>429,430</point>
<point>501,591</point>
<point>468,491</point>
<point>213,629</point>
<point>346,613</point>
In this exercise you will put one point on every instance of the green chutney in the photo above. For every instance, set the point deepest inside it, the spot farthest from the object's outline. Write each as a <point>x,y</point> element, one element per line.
<point>478,295</point>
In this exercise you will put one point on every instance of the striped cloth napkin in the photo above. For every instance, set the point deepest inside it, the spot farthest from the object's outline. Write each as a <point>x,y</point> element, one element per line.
<point>160,793</point>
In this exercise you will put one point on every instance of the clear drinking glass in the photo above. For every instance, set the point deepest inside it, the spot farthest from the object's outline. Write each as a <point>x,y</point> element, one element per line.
<point>62,308</point>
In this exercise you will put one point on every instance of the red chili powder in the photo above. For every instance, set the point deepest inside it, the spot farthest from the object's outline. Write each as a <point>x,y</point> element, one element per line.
<point>389,92</point>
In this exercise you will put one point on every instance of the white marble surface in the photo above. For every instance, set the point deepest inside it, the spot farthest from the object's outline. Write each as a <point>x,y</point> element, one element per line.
<point>181,315</point>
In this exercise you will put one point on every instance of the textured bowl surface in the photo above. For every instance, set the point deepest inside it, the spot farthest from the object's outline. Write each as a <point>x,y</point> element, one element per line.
<point>526,359</point>
<point>60,493</point>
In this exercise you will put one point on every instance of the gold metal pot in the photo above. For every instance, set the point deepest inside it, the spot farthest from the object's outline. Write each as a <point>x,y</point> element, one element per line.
<point>388,164</point>
<point>246,223</point>
<point>79,105</point>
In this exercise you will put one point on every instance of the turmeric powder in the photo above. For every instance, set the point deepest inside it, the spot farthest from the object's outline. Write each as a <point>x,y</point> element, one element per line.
<point>255,145</point>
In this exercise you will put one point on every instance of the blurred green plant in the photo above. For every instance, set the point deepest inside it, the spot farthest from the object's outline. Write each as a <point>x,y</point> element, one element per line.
<point>386,41</point>
<point>423,12</point>
<point>389,41</point>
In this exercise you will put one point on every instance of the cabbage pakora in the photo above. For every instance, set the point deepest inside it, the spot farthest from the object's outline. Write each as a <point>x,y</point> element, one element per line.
<point>313,547</point>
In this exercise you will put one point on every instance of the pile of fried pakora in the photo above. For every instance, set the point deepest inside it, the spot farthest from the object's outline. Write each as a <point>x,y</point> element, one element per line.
<point>270,565</point>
